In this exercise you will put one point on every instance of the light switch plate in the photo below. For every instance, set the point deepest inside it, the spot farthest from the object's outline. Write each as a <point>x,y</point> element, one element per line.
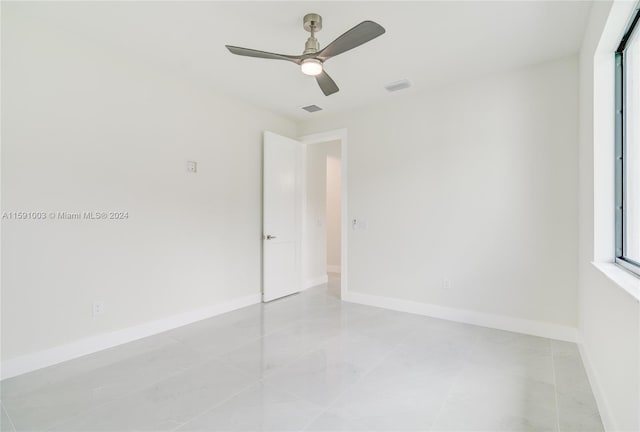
<point>359,224</point>
<point>98,308</point>
<point>192,166</point>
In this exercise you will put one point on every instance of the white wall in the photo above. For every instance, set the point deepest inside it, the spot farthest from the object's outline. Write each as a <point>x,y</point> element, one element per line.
<point>315,221</point>
<point>609,317</point>
<point>86,129</point>
<point>475,182</point>
<point>334,209</point>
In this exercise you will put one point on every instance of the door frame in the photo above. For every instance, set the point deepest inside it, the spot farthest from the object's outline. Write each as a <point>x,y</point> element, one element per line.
<point>322,137</point>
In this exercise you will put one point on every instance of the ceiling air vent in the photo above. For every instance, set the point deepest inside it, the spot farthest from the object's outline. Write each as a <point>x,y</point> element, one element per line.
<point>398,85</point>
<point>312,108</point>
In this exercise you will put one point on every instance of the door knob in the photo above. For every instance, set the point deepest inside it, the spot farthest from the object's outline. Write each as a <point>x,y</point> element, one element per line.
<point>269,237</point>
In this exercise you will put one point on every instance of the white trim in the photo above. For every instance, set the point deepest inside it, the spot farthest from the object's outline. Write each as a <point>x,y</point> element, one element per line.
<point>333,268</point>
<point>626,280</point>
<point>342,135</point>
<point>30,362</point>
<point>501,322</point>
<point>309,283</point>
<point>592,375</point>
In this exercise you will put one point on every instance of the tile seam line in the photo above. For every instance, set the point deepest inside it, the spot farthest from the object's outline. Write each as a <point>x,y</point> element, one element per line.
<point>367,372</point>
<point>260,380</point>
<point>173,340</point>
<point>61,423</point>
<point>217,357</point>
<point>242,390</point>
<point>8,416</point>
<point>266,375</point>
<point>555,384</point>
<point>455,379</point>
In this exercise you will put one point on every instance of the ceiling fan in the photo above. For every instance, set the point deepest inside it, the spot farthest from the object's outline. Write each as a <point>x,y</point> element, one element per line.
<point>312,59</point>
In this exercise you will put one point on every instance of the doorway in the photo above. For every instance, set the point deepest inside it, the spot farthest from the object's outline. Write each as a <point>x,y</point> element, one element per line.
<point>324,212</point>
<point>333,214</point>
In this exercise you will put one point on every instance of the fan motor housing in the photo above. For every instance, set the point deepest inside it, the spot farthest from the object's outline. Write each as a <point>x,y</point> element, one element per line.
<point>312,22</point>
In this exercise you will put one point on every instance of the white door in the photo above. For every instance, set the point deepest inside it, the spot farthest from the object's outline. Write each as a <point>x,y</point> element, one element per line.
<point>281,217</point>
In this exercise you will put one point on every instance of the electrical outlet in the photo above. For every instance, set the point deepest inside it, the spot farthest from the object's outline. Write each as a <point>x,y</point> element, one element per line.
<point>447,284</point>
<point>359,224</point>
<point>98,308</point>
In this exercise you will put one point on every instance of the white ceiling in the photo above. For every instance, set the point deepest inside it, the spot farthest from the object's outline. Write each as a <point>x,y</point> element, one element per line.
<point>430,43</point>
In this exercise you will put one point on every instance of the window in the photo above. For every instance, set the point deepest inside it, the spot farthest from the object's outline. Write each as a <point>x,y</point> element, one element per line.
<point>628,148</point>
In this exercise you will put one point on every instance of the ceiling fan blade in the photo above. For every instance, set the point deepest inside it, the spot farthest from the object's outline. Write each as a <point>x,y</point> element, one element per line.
<point>327,85</point>
<point>362,33</point>
<point>247,52</point>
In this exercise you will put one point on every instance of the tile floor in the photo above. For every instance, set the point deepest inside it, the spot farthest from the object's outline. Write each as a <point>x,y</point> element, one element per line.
<point>311,362</point>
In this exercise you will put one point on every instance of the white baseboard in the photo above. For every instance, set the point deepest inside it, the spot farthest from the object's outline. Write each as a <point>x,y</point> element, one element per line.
<point>603,406</point>
<point>30,362</point>
<point>501,322</point>
<point>333,268</point>
<point>316,281</point>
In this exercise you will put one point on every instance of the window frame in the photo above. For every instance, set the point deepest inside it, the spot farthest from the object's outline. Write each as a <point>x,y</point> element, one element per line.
<point>620,146</point>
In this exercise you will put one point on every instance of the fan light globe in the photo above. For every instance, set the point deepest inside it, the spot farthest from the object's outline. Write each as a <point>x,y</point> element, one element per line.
<point>311,67</point>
